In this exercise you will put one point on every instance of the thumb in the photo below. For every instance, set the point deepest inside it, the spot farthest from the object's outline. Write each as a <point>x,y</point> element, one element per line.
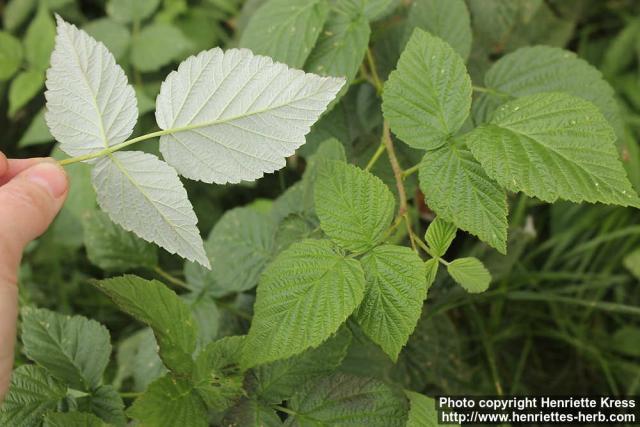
<point>28,204</point>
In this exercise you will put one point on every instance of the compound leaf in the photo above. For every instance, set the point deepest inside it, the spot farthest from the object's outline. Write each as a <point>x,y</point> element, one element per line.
<point>153,303</point>
<point>447,19</point>
<point>90,105</point>
<point>112,248</point>
<point>309,285</point>
<point>470,273</point>
<point>170,401</point>
<point>459,191</point>
<point>355,207</point>
<point>286,30</point>
<point>75,350</point>
<point>550,146</point>
<point>342,399</point>
<point>32,393</point>
<point>395,292</point>
<point>143,194</point>
<point>233,115</point>
<point>439,236</point>
<point>427,98</point>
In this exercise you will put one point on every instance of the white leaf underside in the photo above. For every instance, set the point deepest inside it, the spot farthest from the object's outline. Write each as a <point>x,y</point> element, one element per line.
<point>90,105</point>
<point>237,115</point>
<point>145,195</point>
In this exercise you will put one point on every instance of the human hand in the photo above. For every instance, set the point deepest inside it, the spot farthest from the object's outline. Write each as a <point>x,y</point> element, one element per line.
<point>31,194</point>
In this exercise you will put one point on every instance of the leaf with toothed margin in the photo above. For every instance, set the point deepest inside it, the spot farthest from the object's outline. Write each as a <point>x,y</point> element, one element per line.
<point>233,116</point>
<point>312,289</point>
<point>90,105</point>
<point>144,195</point>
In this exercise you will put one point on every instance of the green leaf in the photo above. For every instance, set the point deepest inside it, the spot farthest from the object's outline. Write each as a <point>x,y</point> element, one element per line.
<point>342,399</point>
<point>157,45</point>
<point>32,393</point>
<point>458,190</point>
<point>309,285</point>
<point>395,292</point>
<point>15,13</point>
<point>75,350</point>
<point>106,403</point>
<point>537,69</point>
<point>626,340</point>
<point>550,146</point>
<point>279,380</point>
<point>36,133</point>
<point>112,248</point>
<point>446,19</point>
<point>239,247</point>
<point>427,98</point>
<point>252,413</point>
<point>355,207</point>
<point>10,55</point>
<point>372,9</point>
<point>126,11</point>
<point>439,236</point>
<point>23,88</point>
<point>217,376</point>
<point>115,36</point>
<point>286,30</point>
<point>72,419</point>
<point>39,39</point>
<point>632,263</point>
<point>206,315</point>
<point>170,401</point>
<point>341,46</point>
<point>431,267</point>
<point>153,303</point>
<point>423,411</point>
<point>470,273</point>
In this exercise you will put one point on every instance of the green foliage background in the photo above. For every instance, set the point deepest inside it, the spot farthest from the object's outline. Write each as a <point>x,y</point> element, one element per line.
<point>561,315</point>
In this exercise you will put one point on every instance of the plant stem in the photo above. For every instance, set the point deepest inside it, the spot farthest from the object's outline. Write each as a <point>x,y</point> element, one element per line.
<point>481,89</point>
<point>395,166</point>
<point>170,278</point>
<point>375,156</point>
<point>285,410</point>
<point>413,169</point>
<point>130,395</point>
<point>118,147</point>
<point>377,83</point>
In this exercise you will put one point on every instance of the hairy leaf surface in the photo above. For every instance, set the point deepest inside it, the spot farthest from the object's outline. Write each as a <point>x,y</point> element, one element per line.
<point>309,285</point>
<point>355,208</point>
<point>550,146</point>
<point>32,393</point>
<point>459,191</point>
<point>428,97</point>
<point>144,195</point>
<point>395,292</point>
<point>234,115</point>
<point>439,236</point>
<point>90,105</point>
<point>72,419</point>
<point>423,410</point>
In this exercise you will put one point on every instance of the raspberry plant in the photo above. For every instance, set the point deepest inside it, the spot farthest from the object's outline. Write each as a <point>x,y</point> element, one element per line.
<point>337,259</point>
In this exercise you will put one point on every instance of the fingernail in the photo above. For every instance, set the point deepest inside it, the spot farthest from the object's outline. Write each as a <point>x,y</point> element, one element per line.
<point>50,176</point>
